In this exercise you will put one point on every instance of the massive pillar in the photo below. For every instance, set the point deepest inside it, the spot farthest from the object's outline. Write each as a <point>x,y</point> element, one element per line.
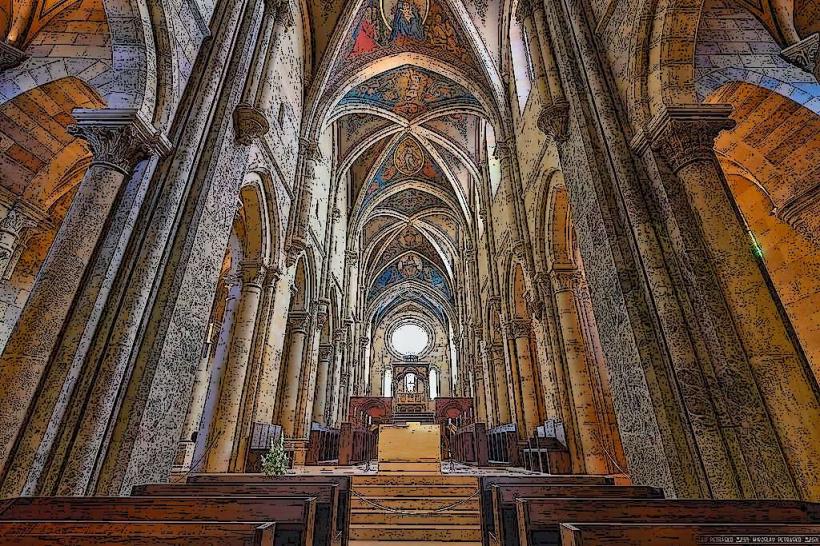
<point>225,423</point>
<point>118,139</point>
<point>320,398</point>
<point>565,286</point>
<point>762,377</point>
<point>299,325</point>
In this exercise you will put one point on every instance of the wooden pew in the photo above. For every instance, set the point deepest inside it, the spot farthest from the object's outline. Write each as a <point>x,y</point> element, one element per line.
<point>487,482</point>
<point>326,493</point>
<point>539,520</point>
<point>618,534</point>
<point>343,482</point>
<point>294,516</point>
<point>504,497</point>
<point>104,533</point>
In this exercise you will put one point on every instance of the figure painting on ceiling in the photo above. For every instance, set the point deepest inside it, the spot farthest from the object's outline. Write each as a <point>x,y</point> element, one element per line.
<point>367,36</point>
<point>407,21</point>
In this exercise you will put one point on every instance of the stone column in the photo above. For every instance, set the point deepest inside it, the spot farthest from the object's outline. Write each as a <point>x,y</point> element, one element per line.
<point>565,286</point>
<point>262,90</point>
<point>118,139</point>
<point>196,406</point>
<point>299,324</point>
<point>518,330</point>
<point>232,387</point>
<point>525,15</point>
<point>499,366</point>
<point>763,380</point>
<point>320,398</point>
<point>363,386</point>
<point>340,346</point>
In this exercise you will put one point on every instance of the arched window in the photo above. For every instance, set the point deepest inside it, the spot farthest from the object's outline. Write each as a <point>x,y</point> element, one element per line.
<point>433,383</point>
<point>493,163</point>
<point>387,383</point>
<point>522,64</point>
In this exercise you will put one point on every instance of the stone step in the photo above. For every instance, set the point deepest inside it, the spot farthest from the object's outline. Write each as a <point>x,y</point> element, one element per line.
<point>416,503</point>
<point>416,490</point>
<point>386,518</point>
<point>418,479</point>
<point>445,533</point>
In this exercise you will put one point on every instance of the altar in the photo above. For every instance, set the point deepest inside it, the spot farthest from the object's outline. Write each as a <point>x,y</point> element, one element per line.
<point>410,447</point>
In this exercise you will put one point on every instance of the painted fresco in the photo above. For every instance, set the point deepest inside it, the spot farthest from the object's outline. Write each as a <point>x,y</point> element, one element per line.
<point>411,267</point>
<point>407,160</point>
<point>410,238</point>
<point>409,296</point>
<point>412,201</point>
<point>409,91</point>
<point>384,27</point>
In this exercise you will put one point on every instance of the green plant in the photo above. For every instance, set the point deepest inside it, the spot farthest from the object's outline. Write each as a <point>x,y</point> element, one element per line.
<point>275,461</point>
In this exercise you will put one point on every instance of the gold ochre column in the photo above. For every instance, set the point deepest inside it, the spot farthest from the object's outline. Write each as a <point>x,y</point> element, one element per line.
<point>299,324</point>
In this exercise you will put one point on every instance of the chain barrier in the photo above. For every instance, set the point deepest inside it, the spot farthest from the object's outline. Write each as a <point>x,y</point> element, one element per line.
<point>401,512</point>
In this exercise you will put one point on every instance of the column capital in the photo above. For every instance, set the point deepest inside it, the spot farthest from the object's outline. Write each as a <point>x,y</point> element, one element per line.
<point>299,322</point>
<point>503,152</point>
<point>686,134</point>
<point>16,221</point>
<point>284,14</point>
<point>339,336</point>
<point>295,249</point>
<point>325,352</point>
<point>253,273</point>
<point>364,341</point>
<point>352,257</point>
<point>553,121</point>
<point>118,138</point>
<point>525,10</point>
<point>565,280</point>
<point>518,328</point>
<point>249,124</point>
<point>322,313</point>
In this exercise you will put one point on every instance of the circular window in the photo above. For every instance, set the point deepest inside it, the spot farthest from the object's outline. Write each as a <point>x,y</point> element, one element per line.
<point>409,339</point>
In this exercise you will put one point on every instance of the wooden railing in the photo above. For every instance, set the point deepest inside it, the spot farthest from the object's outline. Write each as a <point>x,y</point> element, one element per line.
<point>323,445</point>
<point>469,445</point>
<point>357,444</point>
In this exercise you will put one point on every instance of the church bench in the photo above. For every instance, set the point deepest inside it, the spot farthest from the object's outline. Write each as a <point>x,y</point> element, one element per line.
<point>142,533</point>
<point>505,524</point>
<point>326,493</point>
<point>343,482</point>
<point>666,534</point>
<point>294,516</point>
<point>539,520</point>
<point>487,482</point>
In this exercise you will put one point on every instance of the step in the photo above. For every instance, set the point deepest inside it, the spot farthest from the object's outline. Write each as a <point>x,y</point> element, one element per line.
<point>444,533</point>
<point>386,518</point>
<point>416,490</point>
<point>419,479</point>
<point>416,503</point>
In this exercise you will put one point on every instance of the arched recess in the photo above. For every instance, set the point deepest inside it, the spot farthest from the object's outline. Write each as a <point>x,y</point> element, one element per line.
<point>582,379</point>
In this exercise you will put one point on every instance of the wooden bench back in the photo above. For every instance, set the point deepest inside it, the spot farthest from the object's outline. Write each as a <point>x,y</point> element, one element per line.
<point>328,507</point>
<point>602,534</point>
<point>103,533</point>
<point>505,524</point>
<point>539,519</point>
<point>294,516</point>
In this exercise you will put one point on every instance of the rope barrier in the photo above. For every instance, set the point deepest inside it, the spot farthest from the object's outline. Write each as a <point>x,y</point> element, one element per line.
<point>401,512</point>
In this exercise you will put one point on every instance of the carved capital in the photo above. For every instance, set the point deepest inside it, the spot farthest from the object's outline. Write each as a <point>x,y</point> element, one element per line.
<point>249,124</point>
<point>565,280</point>
<point>534,305</point>
<point>10,56</point>
<point>299,322</point>
<point>322,314</point>
<point>284,15</point>
<point>118,138</point>
<point>352,257</point>
<point>686,134</point>
<point>524,11</point>
<point>518,328</point>
<point>15,222</point>
<point>364,342</point>
<point>554,121</point>
<point>253,273</point>
<point>503,152</point>
<point>295,250</point>
<point>805,54</point>
<point>325,352</point>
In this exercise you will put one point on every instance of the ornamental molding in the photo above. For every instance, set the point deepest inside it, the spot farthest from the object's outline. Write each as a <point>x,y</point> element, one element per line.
<point>518,328</point>
<point>565,280</point>
<point>325,352</point>
<point>118,138</point>
<point>299,322</point>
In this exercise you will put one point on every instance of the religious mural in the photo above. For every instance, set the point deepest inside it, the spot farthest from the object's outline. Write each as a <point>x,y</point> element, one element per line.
<point>407,160</point>
<point>388,26</point>
<point>411,267</point>
<point>409,91</point>
<point>409,238</point>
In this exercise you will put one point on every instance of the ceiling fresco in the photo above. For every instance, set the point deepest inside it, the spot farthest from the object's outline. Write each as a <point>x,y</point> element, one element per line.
<point>406,160</point>
<point>411,267</point>
<point>409,91</point>
<point>408,239</point>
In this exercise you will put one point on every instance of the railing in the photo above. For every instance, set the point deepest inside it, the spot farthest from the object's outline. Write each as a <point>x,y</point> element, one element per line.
<point>469,445</point>
<point>323,445</point>
<point>503,445</point>
<point>357,444</point>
